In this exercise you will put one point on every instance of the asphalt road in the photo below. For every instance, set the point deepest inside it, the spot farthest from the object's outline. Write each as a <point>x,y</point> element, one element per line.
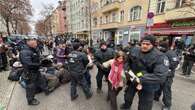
<point>183,97</point>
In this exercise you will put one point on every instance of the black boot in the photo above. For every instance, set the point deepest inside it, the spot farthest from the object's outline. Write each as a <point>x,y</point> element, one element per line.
<point>89,96</point>
<point>124,107</point>
<point>166,108</point>
<point>34,102</point>
<point>74,97</point>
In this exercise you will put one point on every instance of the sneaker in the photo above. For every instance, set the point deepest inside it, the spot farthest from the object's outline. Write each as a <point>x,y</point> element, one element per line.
<point>34,102</point>
<point>124,107</point>
<point>166,108</point>
<point>74,97</point>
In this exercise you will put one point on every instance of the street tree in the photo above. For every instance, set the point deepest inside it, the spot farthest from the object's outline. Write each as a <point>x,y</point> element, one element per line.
<point>40,28</point>
<point>14,11</point>
<point>46,14</point>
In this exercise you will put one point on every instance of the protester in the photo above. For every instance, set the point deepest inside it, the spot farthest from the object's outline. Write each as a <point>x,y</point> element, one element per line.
<point>116,77</point>
<point>60,54</point>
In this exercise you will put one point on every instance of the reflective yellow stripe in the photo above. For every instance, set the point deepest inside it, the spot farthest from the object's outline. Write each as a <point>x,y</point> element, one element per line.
<point>140,74</point>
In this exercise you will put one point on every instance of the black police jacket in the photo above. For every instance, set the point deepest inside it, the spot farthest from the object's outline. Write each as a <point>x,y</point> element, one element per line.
<point>77,62</point>
<point>103,56</point>
<point>30,59</point>
<point>173,62</point>
<point>154,66</point>
<point>191,55</point>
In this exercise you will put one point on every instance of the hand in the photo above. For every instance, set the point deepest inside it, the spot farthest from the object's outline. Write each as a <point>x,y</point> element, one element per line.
<point>139,87</point>
<point>128,77</point>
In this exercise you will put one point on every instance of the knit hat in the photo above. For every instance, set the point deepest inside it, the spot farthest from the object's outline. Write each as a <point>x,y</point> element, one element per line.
<point>150,39</point>
<point>76,45</point>
<point>103,43</point>
<point>164,46</point>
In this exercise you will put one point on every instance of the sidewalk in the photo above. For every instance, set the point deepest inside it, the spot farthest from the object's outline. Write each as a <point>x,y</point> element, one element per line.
<point>6,88</point>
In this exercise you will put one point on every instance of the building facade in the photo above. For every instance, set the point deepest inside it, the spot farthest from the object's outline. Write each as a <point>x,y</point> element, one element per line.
<point>3,29</point>
<point>119,20</point>
<point>173,19</point>
<point>78,18</point>
<point>58,20</point>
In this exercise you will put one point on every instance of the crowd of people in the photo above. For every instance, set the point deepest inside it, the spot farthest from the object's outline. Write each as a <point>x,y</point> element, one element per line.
<point>142,68</point>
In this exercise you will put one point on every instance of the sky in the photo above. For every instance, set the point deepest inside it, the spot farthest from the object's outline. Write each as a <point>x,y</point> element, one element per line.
<point>37,7</point>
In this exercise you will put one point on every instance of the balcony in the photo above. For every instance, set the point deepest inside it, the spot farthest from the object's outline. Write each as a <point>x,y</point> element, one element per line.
<point>180,13</point>
<point>111,7</point>
<point>110,25</point>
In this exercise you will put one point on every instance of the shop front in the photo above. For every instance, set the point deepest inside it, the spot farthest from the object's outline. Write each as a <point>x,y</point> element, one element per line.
<point>172,29</point>
<point>82,35</point>
<point>122,36</point>
<point>136,33</point>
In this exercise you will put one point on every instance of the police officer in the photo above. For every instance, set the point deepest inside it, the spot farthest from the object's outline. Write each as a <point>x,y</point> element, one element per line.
<point>77,62</point>
<point>166,86</point>
<point>151,66</point>
<point>189,58</point>
<point>30,60</point>
<point>102,55</point>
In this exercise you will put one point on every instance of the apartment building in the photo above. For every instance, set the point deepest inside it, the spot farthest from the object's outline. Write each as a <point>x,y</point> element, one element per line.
<point>173,18</point>
<point>119,20</point>
<point>3,29</point>
<point>78,18</point>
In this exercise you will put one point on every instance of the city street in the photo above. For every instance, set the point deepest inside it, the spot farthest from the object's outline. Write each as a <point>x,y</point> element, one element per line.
<point>183,96</point>
<point>64,30</point>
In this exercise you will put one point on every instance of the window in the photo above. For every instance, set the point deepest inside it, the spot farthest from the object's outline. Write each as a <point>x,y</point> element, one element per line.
<point>134,35</point>
<point>160,6</point>
<point>179,3</point>
<point>135,13</point>
<point>101,20</point>
<point>95,22</point>
<point>107,20</point>
<point>113,17</point>
<point>122,15</point>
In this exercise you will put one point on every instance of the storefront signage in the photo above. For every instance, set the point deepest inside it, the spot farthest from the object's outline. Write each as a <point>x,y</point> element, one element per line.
<point>183,23</point>
<point>126,32</point>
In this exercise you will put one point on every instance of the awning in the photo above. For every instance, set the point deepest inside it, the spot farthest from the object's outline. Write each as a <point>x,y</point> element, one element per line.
<point>171,31</point>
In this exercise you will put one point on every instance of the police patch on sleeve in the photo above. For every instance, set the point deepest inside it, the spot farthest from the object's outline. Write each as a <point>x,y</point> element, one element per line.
<point>175,59</point>
<point>166,62</point>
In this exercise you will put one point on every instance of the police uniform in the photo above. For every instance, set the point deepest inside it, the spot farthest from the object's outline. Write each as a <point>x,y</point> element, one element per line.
<point>166,87</point>
<point>30,60</point>
<point>102,56</point>
<point>152,70</point>
<point>77,62</point>
<point>189,60</point>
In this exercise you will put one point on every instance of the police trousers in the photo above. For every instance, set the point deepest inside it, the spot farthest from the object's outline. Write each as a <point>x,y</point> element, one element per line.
<point>165,88</point>
<point>33,85</point>
<point>187,67</point>
<point>81,80</point>
<point>101,73</point>
<point>88,78</point>
<point>145,97</point>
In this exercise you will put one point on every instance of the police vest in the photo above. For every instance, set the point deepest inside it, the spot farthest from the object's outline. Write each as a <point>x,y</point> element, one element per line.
<point>75,63</point>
